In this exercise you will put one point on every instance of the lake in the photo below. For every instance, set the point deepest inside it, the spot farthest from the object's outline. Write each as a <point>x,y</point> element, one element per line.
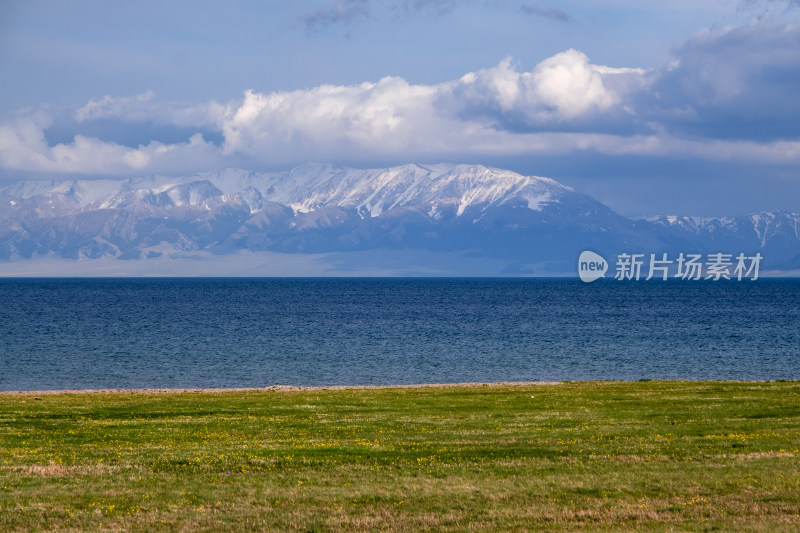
<point>203,333</point>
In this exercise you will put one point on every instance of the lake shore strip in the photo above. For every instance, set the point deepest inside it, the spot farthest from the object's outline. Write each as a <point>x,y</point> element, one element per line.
<point>276,388</point>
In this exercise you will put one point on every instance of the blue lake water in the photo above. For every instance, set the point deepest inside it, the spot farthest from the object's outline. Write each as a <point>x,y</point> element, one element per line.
<point>188,333</point>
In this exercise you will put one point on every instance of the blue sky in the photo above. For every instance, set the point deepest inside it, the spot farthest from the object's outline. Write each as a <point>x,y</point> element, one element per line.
<point>683,107</point>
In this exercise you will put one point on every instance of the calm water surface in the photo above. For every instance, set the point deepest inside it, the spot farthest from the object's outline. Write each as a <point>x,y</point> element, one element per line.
<point>145,333</point>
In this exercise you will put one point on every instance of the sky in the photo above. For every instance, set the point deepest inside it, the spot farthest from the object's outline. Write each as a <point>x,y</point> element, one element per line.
<point>680,107</point>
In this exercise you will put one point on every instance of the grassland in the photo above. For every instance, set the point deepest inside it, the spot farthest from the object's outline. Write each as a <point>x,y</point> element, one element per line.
<point>595,456</point>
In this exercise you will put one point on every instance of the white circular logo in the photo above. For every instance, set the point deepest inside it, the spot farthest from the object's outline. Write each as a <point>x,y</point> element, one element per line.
<point>591,266</point>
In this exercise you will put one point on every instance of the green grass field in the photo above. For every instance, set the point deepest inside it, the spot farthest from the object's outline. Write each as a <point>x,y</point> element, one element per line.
<point>596,456</point>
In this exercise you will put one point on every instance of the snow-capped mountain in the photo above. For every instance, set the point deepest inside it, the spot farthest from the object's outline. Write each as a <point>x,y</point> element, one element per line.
<point>312,186</point>
<point>471,210</point>
<point>766,227</point>
<point>775,235</point>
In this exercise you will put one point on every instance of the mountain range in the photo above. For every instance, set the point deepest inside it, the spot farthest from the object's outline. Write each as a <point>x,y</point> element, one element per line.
<point>412,219</point>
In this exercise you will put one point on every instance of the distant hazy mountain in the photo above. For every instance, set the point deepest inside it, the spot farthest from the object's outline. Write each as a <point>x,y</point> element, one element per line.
<point>518,222</point>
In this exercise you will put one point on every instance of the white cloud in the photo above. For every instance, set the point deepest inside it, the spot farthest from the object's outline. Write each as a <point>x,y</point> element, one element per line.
<point>376,116</point>
<point>498,85</point>
<point>570,84</point>
<point>23,146</point>
<point>144,108</point>
<point>560,89</point>
<point>565,104</point>
<point>128,107</point>
<point>393,115</point>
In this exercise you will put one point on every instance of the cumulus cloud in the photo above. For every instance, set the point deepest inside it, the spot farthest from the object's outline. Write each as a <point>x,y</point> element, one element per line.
<point>728,95</point>
<point>387,118</point>
<point>565,92</point>
<point>560,88</point>
<point>395,116</point>
<point>386,115</point>
<point>567,83</point>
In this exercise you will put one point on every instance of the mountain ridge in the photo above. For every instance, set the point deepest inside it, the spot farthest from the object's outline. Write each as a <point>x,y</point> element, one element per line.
<point>520,221</point>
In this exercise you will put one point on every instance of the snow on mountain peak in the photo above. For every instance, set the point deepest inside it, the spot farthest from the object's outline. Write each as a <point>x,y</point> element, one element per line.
<point>315,208</point>
<point>372,192</point>
<point>308,187</point>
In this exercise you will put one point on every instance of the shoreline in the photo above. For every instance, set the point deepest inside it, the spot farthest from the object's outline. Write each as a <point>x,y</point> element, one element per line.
<point>298,388</point>
<point>276,388</point>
